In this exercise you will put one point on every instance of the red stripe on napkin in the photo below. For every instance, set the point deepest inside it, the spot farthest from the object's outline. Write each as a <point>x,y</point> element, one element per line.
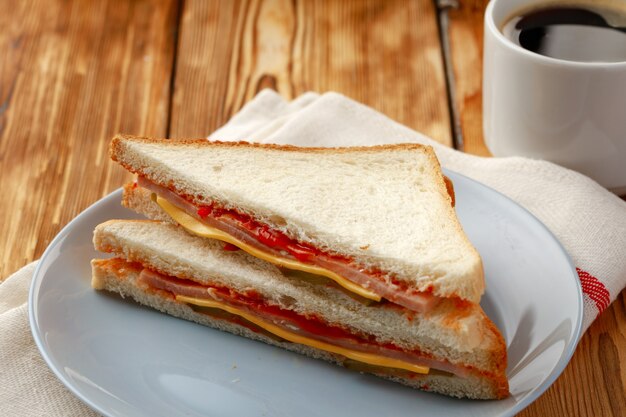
<point>594,289</point>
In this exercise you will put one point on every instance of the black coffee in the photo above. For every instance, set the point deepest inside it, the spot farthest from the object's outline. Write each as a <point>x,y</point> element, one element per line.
<point>575,33</point>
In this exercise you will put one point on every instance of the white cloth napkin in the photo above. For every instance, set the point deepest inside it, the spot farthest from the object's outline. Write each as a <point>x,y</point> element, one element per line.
<point>28,387</point>
<point>589,221</point>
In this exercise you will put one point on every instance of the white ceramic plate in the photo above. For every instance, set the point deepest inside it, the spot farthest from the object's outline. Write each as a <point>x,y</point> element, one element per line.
<point>126,360</point>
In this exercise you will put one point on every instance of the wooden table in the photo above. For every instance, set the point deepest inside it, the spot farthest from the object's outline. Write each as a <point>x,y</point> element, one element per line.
<point>73,73</point>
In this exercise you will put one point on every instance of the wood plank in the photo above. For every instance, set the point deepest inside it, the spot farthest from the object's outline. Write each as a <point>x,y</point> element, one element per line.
<point>466,50</point>
<point>594,383</point>
<point>73,74</point>
<point>380,53</point>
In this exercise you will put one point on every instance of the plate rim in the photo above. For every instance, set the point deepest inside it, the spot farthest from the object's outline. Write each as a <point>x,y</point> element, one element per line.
<point>33,294</point>
<point>559,367</point>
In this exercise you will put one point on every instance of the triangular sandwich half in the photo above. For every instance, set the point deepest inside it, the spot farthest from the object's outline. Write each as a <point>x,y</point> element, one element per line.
<point>379,220</point>
<point>454,349</point>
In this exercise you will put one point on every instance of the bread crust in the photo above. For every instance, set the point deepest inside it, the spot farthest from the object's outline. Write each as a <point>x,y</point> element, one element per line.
<point>118,138</point>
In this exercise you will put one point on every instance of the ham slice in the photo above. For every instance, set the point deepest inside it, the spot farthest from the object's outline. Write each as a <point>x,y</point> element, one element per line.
<point>375,282</point>
<point>308,326</point>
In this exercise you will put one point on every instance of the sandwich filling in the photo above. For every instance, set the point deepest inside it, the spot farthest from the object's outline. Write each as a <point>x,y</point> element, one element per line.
<point>263,242</point>
<point>250,310</point>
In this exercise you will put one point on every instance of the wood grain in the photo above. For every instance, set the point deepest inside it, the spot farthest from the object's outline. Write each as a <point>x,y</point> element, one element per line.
<point>466,50</point>
<point>384,54</point>
<point>72,74</point>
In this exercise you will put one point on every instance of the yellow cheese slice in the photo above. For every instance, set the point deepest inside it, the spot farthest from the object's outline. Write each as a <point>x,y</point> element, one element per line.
<point>369,358</point>
<point>196,227</point>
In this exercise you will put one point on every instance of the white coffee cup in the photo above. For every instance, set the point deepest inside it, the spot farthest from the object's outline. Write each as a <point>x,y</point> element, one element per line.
<point>571,113</point>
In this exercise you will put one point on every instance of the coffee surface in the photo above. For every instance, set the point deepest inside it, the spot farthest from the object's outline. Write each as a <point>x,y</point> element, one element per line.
<point>582,34</point>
